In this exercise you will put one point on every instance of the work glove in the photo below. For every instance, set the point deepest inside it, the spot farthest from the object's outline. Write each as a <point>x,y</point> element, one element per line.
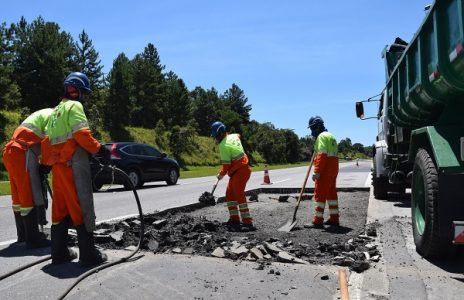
<point>105,155</point>
<point>316,176</point>
<point>219,176</point>
<point>44,170</point>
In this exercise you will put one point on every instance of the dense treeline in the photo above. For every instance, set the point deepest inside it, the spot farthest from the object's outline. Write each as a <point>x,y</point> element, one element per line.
<point>137,92</point>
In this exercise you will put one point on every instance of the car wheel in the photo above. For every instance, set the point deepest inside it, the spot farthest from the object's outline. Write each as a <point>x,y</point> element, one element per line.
<point>172,177</point>
<point>135,178</point>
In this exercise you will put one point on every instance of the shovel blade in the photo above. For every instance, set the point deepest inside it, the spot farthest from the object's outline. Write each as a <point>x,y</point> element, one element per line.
<point>207,198</point>
<point>288,226</point>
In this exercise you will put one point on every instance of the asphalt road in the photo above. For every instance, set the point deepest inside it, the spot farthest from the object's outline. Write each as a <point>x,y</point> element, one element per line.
<point>116,203</point>
<point>400,274</point>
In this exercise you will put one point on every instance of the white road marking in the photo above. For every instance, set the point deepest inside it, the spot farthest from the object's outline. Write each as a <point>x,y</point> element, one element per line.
<point>282,180</point>
<point>368,180</point>
<point>118,218</point>
<point>7,242</point>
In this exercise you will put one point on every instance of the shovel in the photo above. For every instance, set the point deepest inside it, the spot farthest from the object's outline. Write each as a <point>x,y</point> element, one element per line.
<point>288,226</point>
<point>207,197</point>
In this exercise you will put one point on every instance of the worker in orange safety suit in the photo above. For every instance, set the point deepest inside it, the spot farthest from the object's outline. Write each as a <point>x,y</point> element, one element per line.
<point>21,158</point>
<point>66,148</point>
<point>234,163</point>
<point>325,173</point>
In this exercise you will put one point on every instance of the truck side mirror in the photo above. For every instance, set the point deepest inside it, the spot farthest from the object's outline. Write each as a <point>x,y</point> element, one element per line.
<point>360,110</point>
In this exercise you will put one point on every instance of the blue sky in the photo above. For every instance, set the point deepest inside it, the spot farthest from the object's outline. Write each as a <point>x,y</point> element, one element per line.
<point>293,59</point>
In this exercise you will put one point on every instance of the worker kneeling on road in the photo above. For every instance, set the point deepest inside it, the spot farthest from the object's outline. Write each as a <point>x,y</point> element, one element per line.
<point>234,163</point>
<point>66,149</point>
<point>325,172</point>
<point>21,158</point>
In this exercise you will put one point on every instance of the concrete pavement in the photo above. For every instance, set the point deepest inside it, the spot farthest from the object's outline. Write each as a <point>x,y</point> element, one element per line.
<point>167,276</point>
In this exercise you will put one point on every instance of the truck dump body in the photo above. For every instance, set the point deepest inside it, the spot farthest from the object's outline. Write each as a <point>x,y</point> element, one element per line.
<point>420,143</point>
<point>429,75</point>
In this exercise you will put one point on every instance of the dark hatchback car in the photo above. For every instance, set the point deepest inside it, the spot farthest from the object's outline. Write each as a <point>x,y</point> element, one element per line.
<point>141,162</point>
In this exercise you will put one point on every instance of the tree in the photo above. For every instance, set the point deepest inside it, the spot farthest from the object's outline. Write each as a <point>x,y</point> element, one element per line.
<point>344,146</point>
<point>357,147</point>
<point>236,101</point>
<point>176,100</point>
<point>205,108</point>
<point>119,103</point>
<point>292,151</point>
<point>88,61</point>
<point>148,79</point>
<point>44,56</point>
<point>10,96</point>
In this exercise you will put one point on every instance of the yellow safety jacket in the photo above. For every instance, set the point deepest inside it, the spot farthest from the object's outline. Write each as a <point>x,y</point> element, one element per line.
<point>232,154</point>
<point>326,154</point>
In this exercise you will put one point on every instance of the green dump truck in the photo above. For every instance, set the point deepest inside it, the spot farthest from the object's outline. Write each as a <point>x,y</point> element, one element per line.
<point>420,143</point>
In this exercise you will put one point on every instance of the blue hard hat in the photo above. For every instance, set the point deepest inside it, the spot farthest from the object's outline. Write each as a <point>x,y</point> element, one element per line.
<point>217,128</point>
<point>315,120</point>
<point>78,80</point>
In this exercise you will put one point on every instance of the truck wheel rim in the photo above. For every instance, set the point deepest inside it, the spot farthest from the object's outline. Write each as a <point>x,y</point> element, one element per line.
<point>419,203</point>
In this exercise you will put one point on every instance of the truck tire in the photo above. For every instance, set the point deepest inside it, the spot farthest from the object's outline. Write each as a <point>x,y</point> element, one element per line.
<point>424,207</point>
<point>380,185</point>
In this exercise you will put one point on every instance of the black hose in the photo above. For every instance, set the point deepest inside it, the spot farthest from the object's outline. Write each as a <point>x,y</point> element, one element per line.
<point>17,270</point>
<point>106,265</point>
<point>121,260</point>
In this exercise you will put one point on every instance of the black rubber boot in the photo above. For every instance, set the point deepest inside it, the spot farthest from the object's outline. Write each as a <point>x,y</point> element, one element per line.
<point>34,238</point>
<point>233,225</point>
<point>19,227</point>
<point>60,252</point>
<point>248,227</point>
<point>88,254</point>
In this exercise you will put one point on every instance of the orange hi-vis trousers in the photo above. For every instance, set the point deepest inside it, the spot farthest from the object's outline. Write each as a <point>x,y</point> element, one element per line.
<point>65,200</point>
<point>235,195</point>
<point>14,159</point>
<point>325,190</point>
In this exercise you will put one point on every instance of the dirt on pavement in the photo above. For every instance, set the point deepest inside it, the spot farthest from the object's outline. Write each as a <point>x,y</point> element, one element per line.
<point>201,232</point>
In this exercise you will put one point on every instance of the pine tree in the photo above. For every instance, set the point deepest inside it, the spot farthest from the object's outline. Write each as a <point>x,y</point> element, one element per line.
<point>10,96</point>
<point>148,78</point>
<point>44,56</point>
<point>119,103</point>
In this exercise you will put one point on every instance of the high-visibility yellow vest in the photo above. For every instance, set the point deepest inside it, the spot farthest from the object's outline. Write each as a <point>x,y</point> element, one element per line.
<point>37,121</point>
<point>326,143</point>
<point>67,118</point>
<point>231,149</point>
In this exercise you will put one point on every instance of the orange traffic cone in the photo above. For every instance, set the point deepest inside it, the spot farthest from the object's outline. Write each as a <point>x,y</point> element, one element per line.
<point>266,180</point>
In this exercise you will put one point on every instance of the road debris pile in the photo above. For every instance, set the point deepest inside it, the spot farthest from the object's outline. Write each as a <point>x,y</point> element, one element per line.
<point>202,232</point>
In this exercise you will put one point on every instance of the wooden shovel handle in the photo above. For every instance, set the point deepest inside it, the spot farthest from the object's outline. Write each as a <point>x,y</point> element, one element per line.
<point>304,185</point>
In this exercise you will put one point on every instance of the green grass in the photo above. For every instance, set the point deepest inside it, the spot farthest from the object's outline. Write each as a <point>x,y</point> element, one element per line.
<point>4,188</point>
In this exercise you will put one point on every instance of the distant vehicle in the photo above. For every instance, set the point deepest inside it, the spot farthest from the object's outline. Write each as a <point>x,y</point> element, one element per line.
<point>142,163</point>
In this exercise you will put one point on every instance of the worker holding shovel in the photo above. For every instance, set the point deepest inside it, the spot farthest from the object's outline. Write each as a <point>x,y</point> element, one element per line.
<point>234,163</point>
<point>325,173</point>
